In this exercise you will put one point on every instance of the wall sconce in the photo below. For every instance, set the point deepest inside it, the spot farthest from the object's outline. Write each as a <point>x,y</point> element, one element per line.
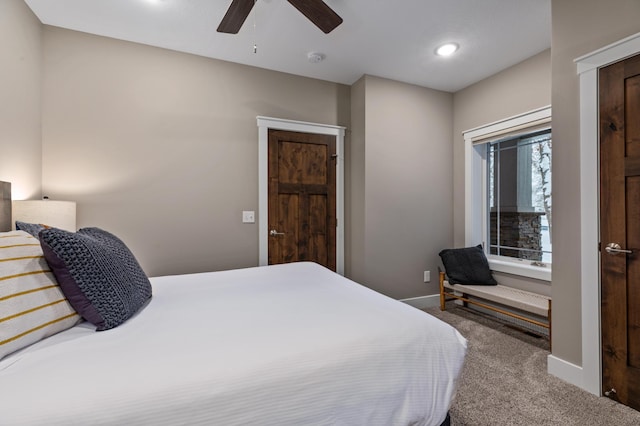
<point>57,214</point>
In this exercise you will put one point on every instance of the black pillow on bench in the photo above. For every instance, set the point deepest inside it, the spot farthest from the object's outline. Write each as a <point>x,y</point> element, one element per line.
<point>467,265</point>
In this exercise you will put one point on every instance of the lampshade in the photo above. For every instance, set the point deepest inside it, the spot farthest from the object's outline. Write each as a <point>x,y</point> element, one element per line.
<point>57,214</point>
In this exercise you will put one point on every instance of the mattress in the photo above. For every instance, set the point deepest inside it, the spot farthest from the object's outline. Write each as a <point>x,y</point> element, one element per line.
<point>292,344</point>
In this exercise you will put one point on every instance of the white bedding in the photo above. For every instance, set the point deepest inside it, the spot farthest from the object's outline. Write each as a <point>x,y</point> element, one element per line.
<point>281,345</point>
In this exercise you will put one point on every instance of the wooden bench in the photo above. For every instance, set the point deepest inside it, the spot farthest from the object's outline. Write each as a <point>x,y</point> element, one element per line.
<point>525,301</point>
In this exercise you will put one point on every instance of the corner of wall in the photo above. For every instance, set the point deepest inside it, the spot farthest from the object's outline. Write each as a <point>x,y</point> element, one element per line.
<point>355,185</point>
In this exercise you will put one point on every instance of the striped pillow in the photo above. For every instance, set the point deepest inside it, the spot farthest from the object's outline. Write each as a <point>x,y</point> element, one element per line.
<point>32,305</point>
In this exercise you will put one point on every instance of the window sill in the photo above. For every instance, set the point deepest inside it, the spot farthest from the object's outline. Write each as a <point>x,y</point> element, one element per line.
<point>520,268</point>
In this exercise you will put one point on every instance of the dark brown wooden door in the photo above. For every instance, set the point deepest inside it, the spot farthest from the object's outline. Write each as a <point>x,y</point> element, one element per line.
<point>302,198</point>
<point>619,88</point>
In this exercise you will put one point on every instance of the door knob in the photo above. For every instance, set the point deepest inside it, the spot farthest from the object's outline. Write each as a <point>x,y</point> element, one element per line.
<point>614,249</point>
<point>273,233</point>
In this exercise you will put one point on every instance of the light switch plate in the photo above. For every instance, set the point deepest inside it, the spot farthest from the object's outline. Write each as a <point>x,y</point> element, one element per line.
<point>248,216</point>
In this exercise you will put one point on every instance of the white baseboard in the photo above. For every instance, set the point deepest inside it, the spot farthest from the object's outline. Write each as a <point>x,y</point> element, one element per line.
<point>566,371</point>
<point>423,302</point>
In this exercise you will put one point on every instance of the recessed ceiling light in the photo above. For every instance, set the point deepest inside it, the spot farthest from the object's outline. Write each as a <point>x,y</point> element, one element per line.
<point>447,49</point>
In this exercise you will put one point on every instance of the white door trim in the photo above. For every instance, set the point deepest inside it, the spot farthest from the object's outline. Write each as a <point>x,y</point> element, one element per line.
<point>587,69</point>
<point>266,123</point>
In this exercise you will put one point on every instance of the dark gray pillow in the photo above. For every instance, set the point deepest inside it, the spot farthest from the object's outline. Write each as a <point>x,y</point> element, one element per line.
<point>31,228</point>
<point>97,273</point>
<point>467,265</point>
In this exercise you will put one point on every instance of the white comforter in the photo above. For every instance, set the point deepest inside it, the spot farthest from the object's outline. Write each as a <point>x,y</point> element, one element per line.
<point>281,345</point>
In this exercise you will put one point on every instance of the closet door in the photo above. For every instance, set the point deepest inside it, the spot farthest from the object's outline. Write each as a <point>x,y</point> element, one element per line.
<point>302,198</point>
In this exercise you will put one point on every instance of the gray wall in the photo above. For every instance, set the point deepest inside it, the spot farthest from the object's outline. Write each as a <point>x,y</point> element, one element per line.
<point>521,88</point>
<point>355,190</point>
<point>516,90</point>
<point>161,147</point>
<point>20,90</point>
<point>579,27</point>
<point>404,186</point>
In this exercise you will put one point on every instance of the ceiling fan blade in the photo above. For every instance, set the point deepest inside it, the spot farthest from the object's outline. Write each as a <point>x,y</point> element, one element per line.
<point>319,13</point>
<point>235,16</point>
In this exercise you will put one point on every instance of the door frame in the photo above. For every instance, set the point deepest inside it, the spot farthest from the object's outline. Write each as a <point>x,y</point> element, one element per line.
<point>264,125</point>
<point>589,375</point>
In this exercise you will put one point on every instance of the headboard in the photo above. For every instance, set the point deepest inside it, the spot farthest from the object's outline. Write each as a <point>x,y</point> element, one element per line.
<point>5,206</point>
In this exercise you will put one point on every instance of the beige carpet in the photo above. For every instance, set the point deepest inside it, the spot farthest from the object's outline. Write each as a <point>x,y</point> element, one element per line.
<point>505,381</point>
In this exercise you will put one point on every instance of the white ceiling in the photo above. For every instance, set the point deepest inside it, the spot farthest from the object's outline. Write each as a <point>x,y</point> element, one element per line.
<point>385,38</point>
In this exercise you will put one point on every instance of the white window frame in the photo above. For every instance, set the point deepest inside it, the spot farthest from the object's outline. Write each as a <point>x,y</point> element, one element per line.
<point>476,190</point>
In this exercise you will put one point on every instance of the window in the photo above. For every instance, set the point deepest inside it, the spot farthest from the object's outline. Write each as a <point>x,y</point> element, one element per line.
<point>519,188</point>
<point>508,206</point>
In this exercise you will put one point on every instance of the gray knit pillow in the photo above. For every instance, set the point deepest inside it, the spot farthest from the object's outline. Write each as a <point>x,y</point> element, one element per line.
<point>30,228</point>
<point>97,273</point>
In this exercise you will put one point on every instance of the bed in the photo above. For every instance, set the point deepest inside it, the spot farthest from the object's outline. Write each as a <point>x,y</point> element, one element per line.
<point>292,344</point>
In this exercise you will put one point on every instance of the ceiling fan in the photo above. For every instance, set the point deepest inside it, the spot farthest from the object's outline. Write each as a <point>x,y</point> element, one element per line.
<point>316,11</point>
